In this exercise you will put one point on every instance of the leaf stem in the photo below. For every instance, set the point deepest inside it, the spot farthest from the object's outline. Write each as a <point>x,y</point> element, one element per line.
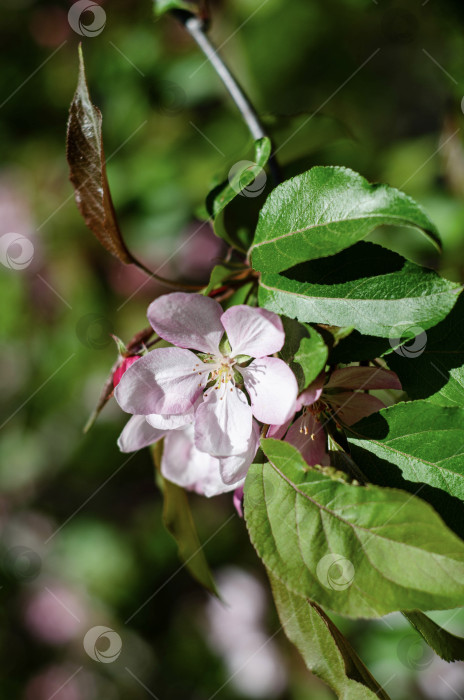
<point>197,30</point>
<point>171,284</point>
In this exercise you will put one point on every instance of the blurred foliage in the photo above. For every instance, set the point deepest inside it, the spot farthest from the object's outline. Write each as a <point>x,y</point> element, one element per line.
<point>375,86</point>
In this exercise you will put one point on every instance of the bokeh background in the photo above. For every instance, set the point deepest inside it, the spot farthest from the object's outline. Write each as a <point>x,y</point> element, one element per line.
<point>375,85</point>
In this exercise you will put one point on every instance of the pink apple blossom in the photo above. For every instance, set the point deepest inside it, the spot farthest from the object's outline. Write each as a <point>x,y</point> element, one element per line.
<point>201,380</point>
<point>343,398</point>
<point>183,463</point>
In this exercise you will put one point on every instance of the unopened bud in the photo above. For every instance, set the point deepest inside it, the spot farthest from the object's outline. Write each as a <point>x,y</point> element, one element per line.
<point>125,364</point>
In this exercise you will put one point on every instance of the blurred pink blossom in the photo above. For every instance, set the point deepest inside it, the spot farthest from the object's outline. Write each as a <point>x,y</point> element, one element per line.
<point>55,614</point>
<point>60,682</point>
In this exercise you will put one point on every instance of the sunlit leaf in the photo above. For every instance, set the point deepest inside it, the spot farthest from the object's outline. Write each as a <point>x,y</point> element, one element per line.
<point>324,649</point>
<point>234,204</point>
<point>424,440</point>
<point>241,178</point>
<point>367,287</point>
<point>325,210</point>
<point>304,350</point>
<point>361,551</point>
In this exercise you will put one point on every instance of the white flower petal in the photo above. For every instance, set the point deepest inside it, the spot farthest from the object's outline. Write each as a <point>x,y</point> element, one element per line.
<point>183,464</point>
<point>165,381</point>
<point>223,422</point>
<point>312,393</point>
<point>272,388</point>
<point>188,321</point>
<point>170,422</point>
<point>234,469</point>
<point>252,331</point>
<point>137,434</point>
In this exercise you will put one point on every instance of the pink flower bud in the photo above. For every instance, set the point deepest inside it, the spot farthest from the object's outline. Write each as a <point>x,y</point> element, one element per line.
<point>125,364</point>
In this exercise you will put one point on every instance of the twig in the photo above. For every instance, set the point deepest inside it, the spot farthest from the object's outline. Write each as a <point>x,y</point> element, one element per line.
<point>171,284</point>
<point>197,30</point>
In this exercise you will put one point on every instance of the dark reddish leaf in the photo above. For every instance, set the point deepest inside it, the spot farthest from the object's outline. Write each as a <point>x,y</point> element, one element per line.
<point>86,160</point>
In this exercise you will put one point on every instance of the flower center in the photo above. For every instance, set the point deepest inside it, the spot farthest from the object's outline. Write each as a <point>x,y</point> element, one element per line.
<point>315,408</point>
<point>220,374</point>
<point>224,372</point>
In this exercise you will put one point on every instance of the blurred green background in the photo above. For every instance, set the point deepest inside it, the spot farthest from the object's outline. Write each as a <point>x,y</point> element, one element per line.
<point>370,84</point>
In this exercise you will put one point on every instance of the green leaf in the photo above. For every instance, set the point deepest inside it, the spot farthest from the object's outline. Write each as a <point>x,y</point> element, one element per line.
<point>325,210</point>
<point>447,645</point>
<point>311,356</point>
<point>163,6</point>
<point>86,159</point>
<point>433,367</point>
<point>367,287</point>
<point>304,350</point>
<point>179,523</point>
<point>324,649</point>
<point>242,295</point>
<point>234,205</point>
<point>361,551</point>
<point>231,274</point>
<point>424,440</point>
<point>241,179</point>
<point>178,520</point>
<point>219,274</point>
